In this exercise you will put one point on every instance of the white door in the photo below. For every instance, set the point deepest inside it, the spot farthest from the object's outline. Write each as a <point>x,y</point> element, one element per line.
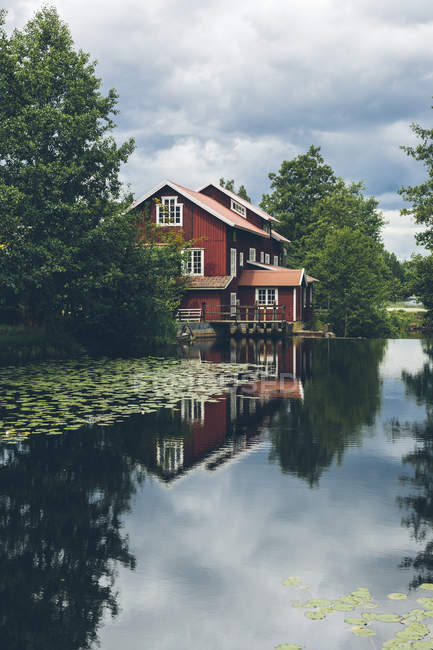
<point>233,261</point>
<point>232,304</point>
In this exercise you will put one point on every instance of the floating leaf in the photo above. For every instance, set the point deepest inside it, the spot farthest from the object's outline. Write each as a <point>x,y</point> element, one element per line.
<point>428,586</point>
<point>315,616</point>
<point>289,646</point>
<point>428,602</point>
<point>363,631</point>
<point>293,581</point>
<point>387,618</point>
<point>397,596</point>
<point>355,621</point>
<point>318,602</point>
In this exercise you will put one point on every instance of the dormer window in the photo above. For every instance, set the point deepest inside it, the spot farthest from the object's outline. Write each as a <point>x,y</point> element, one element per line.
<point>267,228</point>
<point>169,212</point>
<point>238,208</point>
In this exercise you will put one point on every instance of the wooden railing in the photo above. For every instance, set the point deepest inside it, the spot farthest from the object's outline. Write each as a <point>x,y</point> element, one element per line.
<point>189,315</point>
<point>251,313</point>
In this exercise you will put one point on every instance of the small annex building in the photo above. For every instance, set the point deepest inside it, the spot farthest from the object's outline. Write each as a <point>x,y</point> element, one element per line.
<point>239,258</point>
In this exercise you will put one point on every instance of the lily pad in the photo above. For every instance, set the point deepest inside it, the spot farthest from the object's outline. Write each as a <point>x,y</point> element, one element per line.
<point>363,631</point>
<point>428,586</point>
<point>355,621</point>
<point>397,596</point>
<point>315,616</point>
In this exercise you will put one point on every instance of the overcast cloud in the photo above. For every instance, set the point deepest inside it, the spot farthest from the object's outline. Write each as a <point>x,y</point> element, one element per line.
<point>233,88</point>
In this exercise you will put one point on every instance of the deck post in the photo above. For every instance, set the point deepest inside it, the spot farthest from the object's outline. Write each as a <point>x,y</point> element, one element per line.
<point>256,311</point>
<point>203,310</point>
<point>238,310</point>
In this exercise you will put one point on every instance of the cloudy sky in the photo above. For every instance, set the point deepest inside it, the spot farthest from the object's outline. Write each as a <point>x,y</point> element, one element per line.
<point>223,88</point>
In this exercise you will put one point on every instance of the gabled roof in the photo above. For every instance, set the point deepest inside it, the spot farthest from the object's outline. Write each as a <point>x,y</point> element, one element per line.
<point>261,213</point>
<point>210,205</point>
<point>271,278</point>
<point>278,237</point>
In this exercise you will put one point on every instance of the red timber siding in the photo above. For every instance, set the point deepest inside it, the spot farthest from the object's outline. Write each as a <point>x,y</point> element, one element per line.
<point>205,438</point>
<point>245,241</point>
<point>208,231</point>
<point>194,299</point>
<point>247,296</point>
<point>225,200</point>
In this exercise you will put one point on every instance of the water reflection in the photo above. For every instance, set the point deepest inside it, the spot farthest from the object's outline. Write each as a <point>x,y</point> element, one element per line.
<point>61,505</point>
<point>342,396</point>
<point>63,498</point>
<point>419,504</point>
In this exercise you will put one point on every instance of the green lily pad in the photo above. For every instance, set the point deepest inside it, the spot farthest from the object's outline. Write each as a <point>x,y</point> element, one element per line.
<point>427,602</point>
<point>428,586</point>
<point>363,631</point>
<point>315,616</point>
<point>397,596</point>
<point>292,581</point>
<point>318,602</point>
<point>289,646</point>
<point>353,620</point>
<point>387,618</point>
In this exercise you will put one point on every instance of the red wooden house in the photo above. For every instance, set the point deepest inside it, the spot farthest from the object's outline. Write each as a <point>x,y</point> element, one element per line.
<point>240,258</point>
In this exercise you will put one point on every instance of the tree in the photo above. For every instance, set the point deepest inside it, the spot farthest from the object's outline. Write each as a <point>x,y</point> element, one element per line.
<point>352,281</point>
<point>344,207</point>
<point>421,196</point>
<point>230,185</point>
<point>65,238</point>
<point>298,186</point>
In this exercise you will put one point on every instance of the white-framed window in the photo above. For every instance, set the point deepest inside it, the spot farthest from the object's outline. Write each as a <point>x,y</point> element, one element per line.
<point>252,255</point>
<point>233,255</point>
<point>262,257</point>
<point>194,264</point>
<point>169,212</point>
<point>241,259</point>
<point>266,296</point>
<point>275,260</point>
<point>267,258</point>
<point>267,228</point>
<point>169,455</point>
<point>238,208</point>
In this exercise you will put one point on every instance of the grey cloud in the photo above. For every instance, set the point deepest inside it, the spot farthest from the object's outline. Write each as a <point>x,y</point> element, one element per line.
<point>341,74</point>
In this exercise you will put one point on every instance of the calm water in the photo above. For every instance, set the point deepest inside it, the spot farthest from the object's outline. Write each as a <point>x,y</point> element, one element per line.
<point>172,529</point>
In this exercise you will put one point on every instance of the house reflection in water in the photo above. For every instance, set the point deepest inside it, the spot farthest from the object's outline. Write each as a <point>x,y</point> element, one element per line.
<point>218,431</point>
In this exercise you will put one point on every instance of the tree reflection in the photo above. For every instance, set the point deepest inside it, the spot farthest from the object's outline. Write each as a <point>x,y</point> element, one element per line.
<point>419,505</point>
<point>60,507</point>
<point>341,399</point>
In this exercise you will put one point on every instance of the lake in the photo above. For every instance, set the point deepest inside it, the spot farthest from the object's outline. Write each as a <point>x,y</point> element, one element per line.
<point>161,502</point>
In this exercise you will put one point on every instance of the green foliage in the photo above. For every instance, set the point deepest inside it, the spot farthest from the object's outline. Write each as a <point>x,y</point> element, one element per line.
<point>421,280</point>
<point>68,253</point>
<point>352,269</point>
<point>297,187</point>
<point>421,196</point>
<point>230,185</point>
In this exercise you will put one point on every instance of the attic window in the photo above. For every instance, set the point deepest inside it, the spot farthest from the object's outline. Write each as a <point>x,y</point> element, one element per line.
<point>238,208</point>
<point>169,212</point>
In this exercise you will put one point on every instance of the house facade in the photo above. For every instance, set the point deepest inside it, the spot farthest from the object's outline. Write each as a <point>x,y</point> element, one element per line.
<point>238,258</point>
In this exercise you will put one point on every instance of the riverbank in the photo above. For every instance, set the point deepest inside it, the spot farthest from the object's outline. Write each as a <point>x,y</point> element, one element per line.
<point>21,343</point>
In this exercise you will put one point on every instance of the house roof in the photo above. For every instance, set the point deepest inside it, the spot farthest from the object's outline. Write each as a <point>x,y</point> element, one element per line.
<point>278,237</point>
<point>209,281</point>
<point>311,279</point>
<point>261,213</point>
<point>270,278</point>
<point>210,205</point>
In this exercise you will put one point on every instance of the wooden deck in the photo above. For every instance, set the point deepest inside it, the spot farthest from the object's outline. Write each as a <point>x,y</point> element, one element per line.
<point>242,320</point>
